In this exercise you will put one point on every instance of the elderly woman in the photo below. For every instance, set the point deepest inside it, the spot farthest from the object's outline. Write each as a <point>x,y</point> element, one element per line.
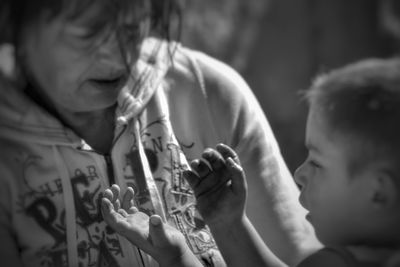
<point>92,101</point>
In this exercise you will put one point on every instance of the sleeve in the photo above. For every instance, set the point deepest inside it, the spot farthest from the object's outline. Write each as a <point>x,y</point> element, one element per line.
<point>9,253</point>
<point>329,257</point>
<point>272,204</point>
<point>393,260</point>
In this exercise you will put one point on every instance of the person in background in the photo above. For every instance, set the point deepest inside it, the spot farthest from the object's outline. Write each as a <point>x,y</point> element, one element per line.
<point>349,182</point>
<point>389,22</point>
<point>95,93</point>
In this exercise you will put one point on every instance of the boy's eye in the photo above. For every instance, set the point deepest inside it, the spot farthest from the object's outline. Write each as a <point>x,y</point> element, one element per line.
<point>314,164</point>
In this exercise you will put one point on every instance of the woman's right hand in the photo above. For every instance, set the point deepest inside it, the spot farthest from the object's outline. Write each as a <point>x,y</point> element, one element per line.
<point>163,242</point>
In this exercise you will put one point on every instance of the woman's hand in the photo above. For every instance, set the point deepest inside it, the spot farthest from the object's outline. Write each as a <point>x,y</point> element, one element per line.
<point>164,243</point>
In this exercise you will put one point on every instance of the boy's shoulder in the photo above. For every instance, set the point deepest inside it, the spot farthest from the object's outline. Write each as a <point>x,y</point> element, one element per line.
<point>329,257</point>
<point>346,257</point>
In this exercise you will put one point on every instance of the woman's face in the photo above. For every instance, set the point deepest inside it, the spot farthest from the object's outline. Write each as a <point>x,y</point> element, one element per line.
<point>76,68</point>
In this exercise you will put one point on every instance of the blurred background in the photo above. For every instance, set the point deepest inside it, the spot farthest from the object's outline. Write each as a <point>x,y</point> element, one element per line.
<point>278,46</point>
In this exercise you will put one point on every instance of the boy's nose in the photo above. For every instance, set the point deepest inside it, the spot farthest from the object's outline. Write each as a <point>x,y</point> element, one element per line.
<point>299,176</point>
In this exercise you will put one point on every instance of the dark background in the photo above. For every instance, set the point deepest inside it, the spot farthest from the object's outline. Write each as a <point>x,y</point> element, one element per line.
<point>280,45</point>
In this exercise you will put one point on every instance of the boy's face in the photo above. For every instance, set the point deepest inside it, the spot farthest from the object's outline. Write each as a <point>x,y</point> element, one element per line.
<point>76,69</point>
<point>328,192</point>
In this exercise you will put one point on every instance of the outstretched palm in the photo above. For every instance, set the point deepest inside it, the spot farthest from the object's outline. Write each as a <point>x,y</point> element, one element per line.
<point>163,242</point>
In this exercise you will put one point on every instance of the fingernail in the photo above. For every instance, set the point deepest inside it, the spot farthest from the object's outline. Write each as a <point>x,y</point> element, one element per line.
<point>206,152</point>
<point>155,220</point>
<point>194,163</point>
<point>131,189</point>
<point>230,161</point>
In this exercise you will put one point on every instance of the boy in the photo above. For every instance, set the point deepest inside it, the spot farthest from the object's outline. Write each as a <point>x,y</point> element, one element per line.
<point>349,181</point>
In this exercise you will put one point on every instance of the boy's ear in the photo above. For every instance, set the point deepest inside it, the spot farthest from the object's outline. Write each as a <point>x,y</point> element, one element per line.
<point>382,189</point>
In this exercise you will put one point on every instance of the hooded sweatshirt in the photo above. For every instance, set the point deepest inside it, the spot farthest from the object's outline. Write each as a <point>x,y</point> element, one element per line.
<point>51,181</point>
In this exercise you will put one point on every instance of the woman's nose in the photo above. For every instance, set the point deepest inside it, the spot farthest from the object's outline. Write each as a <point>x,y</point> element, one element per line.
<point>111,51</point>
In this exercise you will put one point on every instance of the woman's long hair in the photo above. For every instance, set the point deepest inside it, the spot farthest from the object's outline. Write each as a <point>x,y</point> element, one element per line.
<point>166,15</point>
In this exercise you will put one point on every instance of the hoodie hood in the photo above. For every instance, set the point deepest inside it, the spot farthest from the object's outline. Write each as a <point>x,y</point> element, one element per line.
<point>53,159</point>
<point>22,118</point>
<point>56,187</point>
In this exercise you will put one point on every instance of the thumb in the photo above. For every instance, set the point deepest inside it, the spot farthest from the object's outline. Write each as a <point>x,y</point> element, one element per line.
<point>239,185</point>
<point>157,231</point>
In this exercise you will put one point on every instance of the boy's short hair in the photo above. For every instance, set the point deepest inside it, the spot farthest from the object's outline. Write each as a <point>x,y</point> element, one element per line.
<point>361,102</point>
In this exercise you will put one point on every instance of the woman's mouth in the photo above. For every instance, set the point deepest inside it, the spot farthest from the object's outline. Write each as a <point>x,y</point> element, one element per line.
<point>109,83</point>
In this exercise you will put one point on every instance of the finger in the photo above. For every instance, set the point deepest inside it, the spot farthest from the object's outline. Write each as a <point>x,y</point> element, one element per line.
<point>106,206</point>
<point>111,194</point>
<point>227,152</point>
<point>192,178</point>
<point>109,214</point>
<point>115,190</point>
<point>115,199</point>
<point>133,210</point>
<point>127,200</point>
<point>123,212</point>
<point>239,185</point>
<point>210,184</point>
<point>157,231</point>
<point>117,204</point>
<point>214,158</point>
<point>114,219</point>
<point>108,194</point>
<point>201,167</point>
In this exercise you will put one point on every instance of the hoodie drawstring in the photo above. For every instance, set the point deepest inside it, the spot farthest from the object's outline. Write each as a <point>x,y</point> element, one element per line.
<point>147,175</point>
<point>70,219</point>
